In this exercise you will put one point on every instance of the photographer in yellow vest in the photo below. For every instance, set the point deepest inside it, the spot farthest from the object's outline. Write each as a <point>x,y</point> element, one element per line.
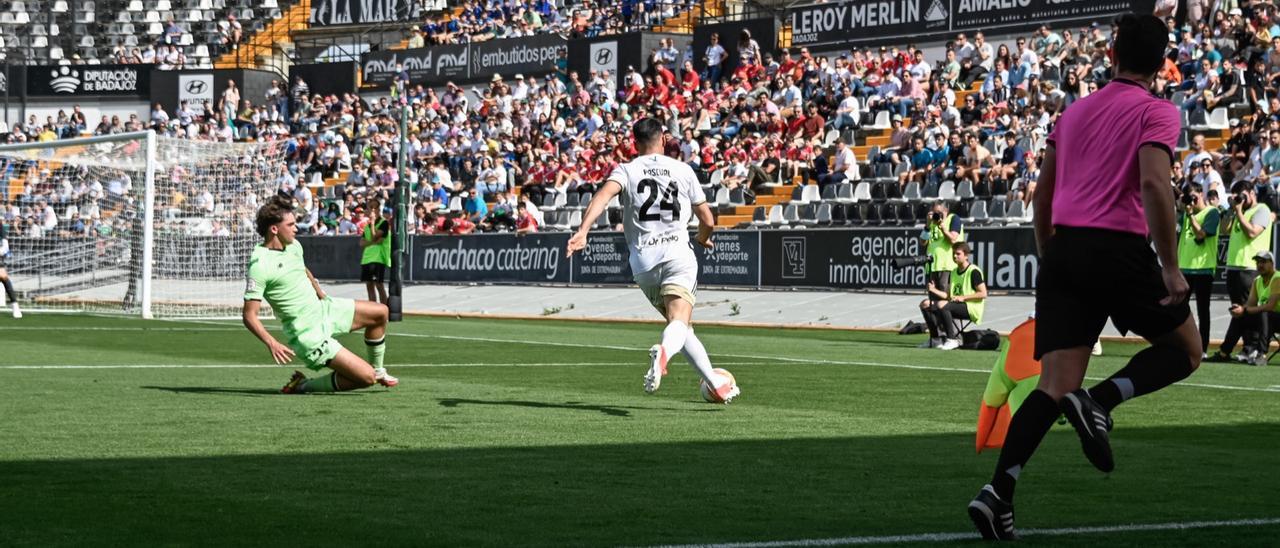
<point>965,300</point>
<point>1198,251</point>
<point>942,231</point>
<point>1249,226</point>
<point>1259,314</point>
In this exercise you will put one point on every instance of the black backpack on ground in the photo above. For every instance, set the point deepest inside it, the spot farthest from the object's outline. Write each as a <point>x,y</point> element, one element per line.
<point>980,339</point>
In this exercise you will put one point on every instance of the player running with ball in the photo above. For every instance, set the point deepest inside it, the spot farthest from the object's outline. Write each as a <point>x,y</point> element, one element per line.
<point>278,274</point>
<point>658,195</point>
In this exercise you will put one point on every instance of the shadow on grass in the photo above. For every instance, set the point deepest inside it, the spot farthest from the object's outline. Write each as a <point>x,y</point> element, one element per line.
<point>611,410</point>
<point>640,494</point>
<point>213,390</point>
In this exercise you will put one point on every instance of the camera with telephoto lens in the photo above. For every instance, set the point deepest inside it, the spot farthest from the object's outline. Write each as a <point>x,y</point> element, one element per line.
<point>1237,199</point>
<point>1188,199</point>
<point>935,216</point>
<point>903,262</point>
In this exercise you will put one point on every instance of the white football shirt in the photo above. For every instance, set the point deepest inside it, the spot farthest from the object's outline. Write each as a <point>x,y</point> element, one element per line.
<point>658,195</point>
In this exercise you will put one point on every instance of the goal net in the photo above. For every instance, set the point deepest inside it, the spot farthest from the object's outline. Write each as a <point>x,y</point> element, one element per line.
<point>134,223</point>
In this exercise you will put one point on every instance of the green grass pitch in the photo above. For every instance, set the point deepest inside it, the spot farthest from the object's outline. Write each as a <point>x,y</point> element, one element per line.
<point>514,433</point>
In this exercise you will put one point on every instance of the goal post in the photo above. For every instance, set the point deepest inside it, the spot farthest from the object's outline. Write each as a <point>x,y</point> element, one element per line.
<point>135,223</point>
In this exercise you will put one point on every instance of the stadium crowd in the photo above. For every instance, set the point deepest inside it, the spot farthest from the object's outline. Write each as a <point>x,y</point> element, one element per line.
<point>475,156</point>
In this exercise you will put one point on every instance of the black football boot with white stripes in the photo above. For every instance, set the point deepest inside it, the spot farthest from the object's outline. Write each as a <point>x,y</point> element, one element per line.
<point>1093,425</point>
<point>992,515</point>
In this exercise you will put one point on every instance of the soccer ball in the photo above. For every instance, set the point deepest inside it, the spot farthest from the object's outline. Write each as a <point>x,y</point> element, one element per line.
<point>708,392</point>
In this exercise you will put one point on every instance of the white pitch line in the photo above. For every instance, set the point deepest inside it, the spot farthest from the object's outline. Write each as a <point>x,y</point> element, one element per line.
<point>636,349</point>
<point>267,366</point>
<point>948,537</point>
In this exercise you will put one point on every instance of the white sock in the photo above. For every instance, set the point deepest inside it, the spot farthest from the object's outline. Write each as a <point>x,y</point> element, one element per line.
<point>673,337</point>
<point>697,355</point>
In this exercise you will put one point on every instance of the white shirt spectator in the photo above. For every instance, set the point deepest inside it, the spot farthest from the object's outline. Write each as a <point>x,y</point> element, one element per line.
<point>714,54</point>
<point>847,163</point>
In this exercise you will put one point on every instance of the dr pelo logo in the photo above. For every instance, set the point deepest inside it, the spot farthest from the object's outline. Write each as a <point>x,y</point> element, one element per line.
<point>65,80</point>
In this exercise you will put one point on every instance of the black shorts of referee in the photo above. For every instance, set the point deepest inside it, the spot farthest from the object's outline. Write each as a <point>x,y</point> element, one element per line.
<point>1089,275</point>
<point>373,272</point>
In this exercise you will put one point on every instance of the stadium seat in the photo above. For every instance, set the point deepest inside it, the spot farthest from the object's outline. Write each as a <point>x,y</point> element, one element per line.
<point>878,191</point>
<point>1016,213</point>
<point>809,214</point>
<point>797,194</point>
<point>561,222</point>
<point>721,197</point>
<point>855,214</point>
<point>882,121</point>
<point>791,214</point>
<point>737,197</point>
<point>978,213</point>
<point>893,191</point>
<point>829,193</point>
<point>810,194</point>
<point>134,5</point>
<point>844,193</point>
<point>912,192</point>
<point>572,200</point>
<point>947,191</point>
<point>862,192</point>
<point>964,191</point>
<point>759,217</point>
<point>839,214</point>
<point>830,138</point>
<point>996,212</point>
<point>864,216</point>
<point>717,176</point>
<point>575,218</point>
<point>60,6</point>
<point>775,216</point>
<point>602,222</point>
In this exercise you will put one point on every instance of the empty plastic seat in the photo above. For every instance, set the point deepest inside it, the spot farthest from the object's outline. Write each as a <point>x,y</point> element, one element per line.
<point>912,192</point>
<point>797,194</point>
<point>809,214</point>
<point>810,194</point>
<point>978,213</point>
<point>573,200</point>
<point>759,217</point>
<point>722,197</point>
<point>829,193</point>
<point>775,216</point>
<point>844,193</point>
<point>791,214</point>
<point>737,197</point>
<point>839,214</point>
<point>862,192</point>
<point>134,5</point>
<point>965,190</point>
<point>996,210</point>
<point>947,191</point>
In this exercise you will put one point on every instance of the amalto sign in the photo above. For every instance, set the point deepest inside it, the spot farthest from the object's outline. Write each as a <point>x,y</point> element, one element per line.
<point>971,6</point>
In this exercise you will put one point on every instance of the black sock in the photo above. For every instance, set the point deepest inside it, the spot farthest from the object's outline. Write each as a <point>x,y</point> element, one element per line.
<point>8,291</point>
<point>1147,371</point>
<point>1026,429</point>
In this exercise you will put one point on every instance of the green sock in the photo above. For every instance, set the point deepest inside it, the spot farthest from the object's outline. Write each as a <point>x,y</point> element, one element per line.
<point>376,350</point>
<point>323,383</point>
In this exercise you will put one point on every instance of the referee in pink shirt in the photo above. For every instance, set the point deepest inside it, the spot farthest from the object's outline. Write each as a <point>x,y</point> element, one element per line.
<point>1103,190</point>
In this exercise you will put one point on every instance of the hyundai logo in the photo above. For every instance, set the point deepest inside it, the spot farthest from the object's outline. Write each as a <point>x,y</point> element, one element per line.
<point>196,87</point>
<point>604,56</point>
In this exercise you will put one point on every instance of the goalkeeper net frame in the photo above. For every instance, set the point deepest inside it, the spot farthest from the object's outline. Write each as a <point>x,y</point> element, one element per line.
<point>135,223</point>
